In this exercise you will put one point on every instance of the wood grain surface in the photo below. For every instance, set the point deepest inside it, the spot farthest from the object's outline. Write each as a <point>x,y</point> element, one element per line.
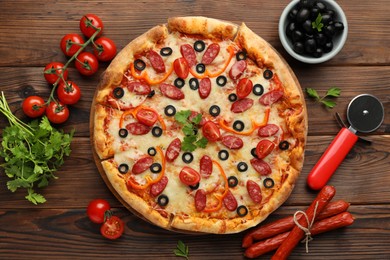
<point>30,32</point>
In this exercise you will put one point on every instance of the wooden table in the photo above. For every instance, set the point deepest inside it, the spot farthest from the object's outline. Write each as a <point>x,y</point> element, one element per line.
<point>30,32</point>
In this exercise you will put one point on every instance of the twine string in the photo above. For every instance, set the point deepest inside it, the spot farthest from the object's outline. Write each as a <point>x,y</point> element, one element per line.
<point>310,223</point>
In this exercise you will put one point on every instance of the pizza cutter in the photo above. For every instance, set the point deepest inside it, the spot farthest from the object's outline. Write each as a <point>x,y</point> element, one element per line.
<point>365,113</point>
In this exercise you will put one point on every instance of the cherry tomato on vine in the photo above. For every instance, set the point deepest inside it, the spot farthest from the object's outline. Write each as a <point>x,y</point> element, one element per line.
<point>104,49</point>
<point>87,64</point>
<point>68,93</point>
<point>96,210</point>
<point>57,113</point>
<point>112,228</point>
<point>70,43</point>
<point>53,70</point>
<point>34,106</point>
<point>89,23</point>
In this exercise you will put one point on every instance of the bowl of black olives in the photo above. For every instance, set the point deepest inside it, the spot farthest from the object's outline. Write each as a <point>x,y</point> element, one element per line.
<point>313,31</point>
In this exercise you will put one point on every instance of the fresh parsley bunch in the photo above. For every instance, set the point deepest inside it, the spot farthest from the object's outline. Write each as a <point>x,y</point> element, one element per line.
<point>32,152</point>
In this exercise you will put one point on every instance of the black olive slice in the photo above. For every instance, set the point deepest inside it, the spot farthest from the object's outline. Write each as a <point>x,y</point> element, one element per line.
<point>223,155</point>
<point>162,200</point>
<point>199,46</point>
<point>258,89</point>
<point>268,183</point>
<point>157,131</point>
<point>152,151</point>
<point>118,92</point>
<point>242,166</point>
<point>238,125</point>
<point>253,152</point>
<point>241,55</point>
<point>187,157</point>
<point>194,187</point>
<point>155,168</point>
<point>200,68</point>
<point>268,74</point>
<point>151,93</point>
<point>221,81</point>
<point>214,110</point>
<point>123,132</point>
<point>139,65</point>
<point>123,168</point>
<point>194,83</point>
<point>179,83</point>
<point>232,97</point>
<point>170,110</point>
<point>166,51</point>
<point>232,181</point>
<point>284,145</point>
<point>242,211</point>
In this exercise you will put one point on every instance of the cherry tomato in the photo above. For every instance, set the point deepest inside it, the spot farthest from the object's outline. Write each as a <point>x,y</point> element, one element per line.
<point>68,93</point>
<point>87,64</point>
<point>96,210</point>
<point>211,131</point>
<point>181,68</point>
<point>244,88</point>
<point>264,148</point>
<point>70,43</point>
<point>34,106</point>
<point>57,113</point>
<point>113,228</point>
<point>146,117</point>
<point>189,176</point>
<point>53,70</point>
<point>104,49</point>
<point>89,24</point>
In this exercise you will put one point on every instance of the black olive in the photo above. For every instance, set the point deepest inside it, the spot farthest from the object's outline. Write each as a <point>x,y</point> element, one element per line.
<point>318,52</point>
<point>268,183</point>
<point>268,74</point>
<point>194,83</point>
<point>330,12</point>
<point>242,166</point>
<point>118,92</point>
<point>162,200</point>
<point>166,51</point>
<point>284,145</point>
<point>155,168</point>
<point>328,46</point>
<point>297,36</point>
<point>199,46</point>
<point>223,155</point>
<point>258,89</point>
<point>179,83</point>
<point>232,97</point>
<point>242,211</point>
<point>170,110</point>
<point>200,68</point>
<point>253,152</point>
<point>215,110</point>
<point>221,81</point>
<point>304,3</point>
<point>123,168</point>
<point>157,131</point>
<point>151,93</point>
<point>326,19</point>
<point>232,181</point>
<point>303,14</point>
<point>123,132</point>
<point>293,13</point>
<point>314,12</point>
<point>291,27</point>
<point>310,45</point>
<point>338,26</point>
<point>241,55</point>
<point>139,65</point>
<point>187,157</point>
<point>329,30</point>
<point>307,27</point>
<point>299,47</point>
<point>152,151</point>
<point>238,125</point>
<point>320,39</point>
<point>194,187</point>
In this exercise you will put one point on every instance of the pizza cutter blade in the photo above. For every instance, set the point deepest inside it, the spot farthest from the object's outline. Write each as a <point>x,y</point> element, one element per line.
<point>365,113</point>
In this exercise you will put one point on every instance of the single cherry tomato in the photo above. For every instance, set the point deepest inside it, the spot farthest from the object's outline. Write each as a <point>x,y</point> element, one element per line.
<point>113,228</point>
<point>89,24</point>
<point>264,148</point>
<point>189,176</point>
<point>87,64</point>
<point>96,210</point>
<point>244,88</point>
<point>68,93</point>
<point>211,131</point>
<point>70,43</point>
<point>53,70</point>
<point>146,117</point>
<point>181,67</point>
<point>57,113</point>
<point>34,106</point>
<point>104,49</point>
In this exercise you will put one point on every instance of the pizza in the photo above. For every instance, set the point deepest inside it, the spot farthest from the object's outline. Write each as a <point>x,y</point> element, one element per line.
<point>198,125</point>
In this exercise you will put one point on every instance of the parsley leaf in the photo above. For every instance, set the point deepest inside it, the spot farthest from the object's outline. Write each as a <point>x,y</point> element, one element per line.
<point>181,250</point>
<point>202,142</point>
<point>312,93</point>
<point>332,92</point>
<point>182,116</point>
<point>317,24</point>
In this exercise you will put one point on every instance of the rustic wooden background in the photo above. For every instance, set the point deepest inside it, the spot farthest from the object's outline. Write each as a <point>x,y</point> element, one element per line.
<point>30,32</point>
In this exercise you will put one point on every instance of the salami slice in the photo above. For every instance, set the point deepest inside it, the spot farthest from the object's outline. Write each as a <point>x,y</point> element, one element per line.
<point>211,53</point>
<point>173,150</point>
<point>230,201</point>
<point>237,69</point>
<point>138,88</point>
<point>137,128</point>
<point>200,200</point>
<point>189,54</point>
<point>254,191</point>
<point>241,105</point>
<point>267,130</point>
<point>158,187</point>
<point>232,142</point>
<point>204,88</point>
<point>271,97</point>
<point>156,61</point>
<point>260,166</point>
<point>171,91</point>
<point>142,165</point>
<point>206,166</point>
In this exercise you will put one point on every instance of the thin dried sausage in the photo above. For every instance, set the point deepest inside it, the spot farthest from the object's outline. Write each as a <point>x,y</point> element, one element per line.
<point>211,53</point>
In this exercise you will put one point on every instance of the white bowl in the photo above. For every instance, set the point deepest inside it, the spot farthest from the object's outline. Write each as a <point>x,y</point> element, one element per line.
<point>338,40</point>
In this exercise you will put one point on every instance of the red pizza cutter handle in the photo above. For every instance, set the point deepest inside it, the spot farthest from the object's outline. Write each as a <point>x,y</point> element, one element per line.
<point>331,159</point>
